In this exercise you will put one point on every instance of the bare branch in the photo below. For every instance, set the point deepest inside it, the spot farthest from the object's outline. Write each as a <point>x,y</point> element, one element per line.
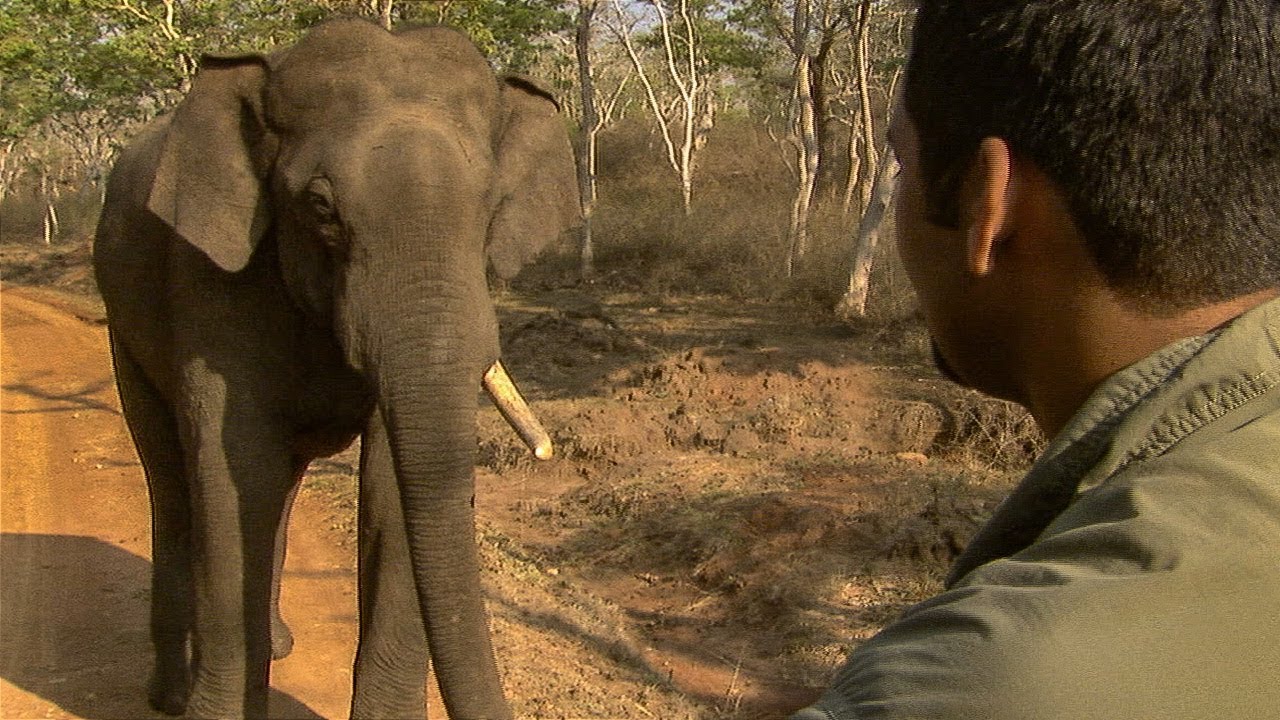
<point>623,34</point>
<point>665,25</point>
<point>693,110</point>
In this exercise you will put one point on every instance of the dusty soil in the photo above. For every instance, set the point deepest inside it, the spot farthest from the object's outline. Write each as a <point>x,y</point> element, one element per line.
<point>741,493</point>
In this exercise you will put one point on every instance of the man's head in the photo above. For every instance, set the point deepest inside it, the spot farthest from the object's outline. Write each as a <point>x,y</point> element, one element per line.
<point>1159,120</point>
<point>1084,181</point>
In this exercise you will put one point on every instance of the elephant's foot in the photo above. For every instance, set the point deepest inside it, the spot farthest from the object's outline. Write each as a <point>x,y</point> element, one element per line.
<point>225,697</point>
<point>281,639</point>
<point>169,696</point>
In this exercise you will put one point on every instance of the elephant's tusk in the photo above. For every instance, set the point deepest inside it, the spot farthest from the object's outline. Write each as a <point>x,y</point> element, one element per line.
<point>516,411</point>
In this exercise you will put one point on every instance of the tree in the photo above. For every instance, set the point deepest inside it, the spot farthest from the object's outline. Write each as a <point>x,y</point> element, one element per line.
<point>874,180</point>
<point>877,61</point>
<point>383,9</point>
<point>866,240</point>
<point>70,56</point>
<point>805,136</point>
<point>74,74</point>
<point>512,33</point>
<point>589,128</point>
<point>592,79</point>
<point>90,69</point>
<point>814,28</point>
<point>684,67</point>
<point>809,30</point>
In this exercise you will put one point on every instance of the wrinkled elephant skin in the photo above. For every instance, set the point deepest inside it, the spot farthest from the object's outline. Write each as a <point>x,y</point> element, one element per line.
<point>295,257</point>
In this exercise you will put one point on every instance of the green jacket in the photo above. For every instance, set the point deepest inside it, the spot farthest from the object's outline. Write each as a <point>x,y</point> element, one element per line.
<point>1134,573</point>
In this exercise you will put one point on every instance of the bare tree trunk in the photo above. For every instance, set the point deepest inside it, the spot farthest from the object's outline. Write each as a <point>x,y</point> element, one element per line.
<point>689,87</point>
<point>854,302</point>
<point>806,141</point>
<point>855,167</point>
<point>819,65</point>
<point>50,219</point>
<point>6,174</point>
<point>807,167</point>
<point>862,166</point>
<point>587,137</point>
<point>51,227</point>
<point>384,12</point>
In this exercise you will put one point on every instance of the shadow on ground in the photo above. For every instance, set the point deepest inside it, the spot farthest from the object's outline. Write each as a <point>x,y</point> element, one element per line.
<point>74,629</point>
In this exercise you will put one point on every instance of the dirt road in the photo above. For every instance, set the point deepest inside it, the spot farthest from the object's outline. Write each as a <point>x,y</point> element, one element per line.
<point>75,548</point>
<point>76,562</point>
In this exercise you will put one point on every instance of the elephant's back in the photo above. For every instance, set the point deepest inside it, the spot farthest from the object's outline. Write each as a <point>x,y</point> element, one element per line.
<point>131,249</point>
<point>128,233</point>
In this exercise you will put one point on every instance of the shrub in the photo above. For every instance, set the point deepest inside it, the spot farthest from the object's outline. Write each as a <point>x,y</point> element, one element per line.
<point>22,215</point>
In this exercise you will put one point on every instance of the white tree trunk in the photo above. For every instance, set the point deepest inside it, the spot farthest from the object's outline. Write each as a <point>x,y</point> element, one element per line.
<point>854,302</point>
<point>7,175</point>
<point>806,140</point>
<point>586,137</point>
<point>863,162</point>
<point>50,219</point>
<point>384,12</point>
<point>807,167</point>
<point>695,114</point>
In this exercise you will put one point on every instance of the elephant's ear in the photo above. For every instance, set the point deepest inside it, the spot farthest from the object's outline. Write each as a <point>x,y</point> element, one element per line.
<point>536,184</point>
<point>210,182</point>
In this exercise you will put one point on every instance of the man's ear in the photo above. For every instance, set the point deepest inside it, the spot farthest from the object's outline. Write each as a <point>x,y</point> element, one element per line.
<point>988,204</point>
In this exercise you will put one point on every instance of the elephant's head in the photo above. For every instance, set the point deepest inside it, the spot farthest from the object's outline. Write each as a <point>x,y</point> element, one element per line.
<point>386,170</point>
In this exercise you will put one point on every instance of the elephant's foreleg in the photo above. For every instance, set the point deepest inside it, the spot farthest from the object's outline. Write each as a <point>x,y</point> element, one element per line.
<point>155,434</point>
<point>392,660</point>
<point>240,478</point>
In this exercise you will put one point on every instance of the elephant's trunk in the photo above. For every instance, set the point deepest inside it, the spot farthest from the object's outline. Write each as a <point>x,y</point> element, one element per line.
<point>429,404</point>
<point>417,318</point>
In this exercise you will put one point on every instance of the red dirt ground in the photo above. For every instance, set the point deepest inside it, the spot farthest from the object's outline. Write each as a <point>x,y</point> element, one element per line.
<point>741,493</point>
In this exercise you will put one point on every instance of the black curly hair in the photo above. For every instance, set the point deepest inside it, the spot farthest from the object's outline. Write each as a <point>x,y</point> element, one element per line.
<point>1158,119</point>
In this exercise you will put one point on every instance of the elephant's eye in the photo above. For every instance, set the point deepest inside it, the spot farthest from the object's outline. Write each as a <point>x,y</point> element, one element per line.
<point>318,202</point>
<point>318,197</point>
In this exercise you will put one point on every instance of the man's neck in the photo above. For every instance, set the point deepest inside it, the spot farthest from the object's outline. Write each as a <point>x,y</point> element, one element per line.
<point>1107,336</point>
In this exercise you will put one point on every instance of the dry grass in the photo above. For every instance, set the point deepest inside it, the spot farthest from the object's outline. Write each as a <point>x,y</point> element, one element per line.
<point>991,433</point>
<point>734,242</point>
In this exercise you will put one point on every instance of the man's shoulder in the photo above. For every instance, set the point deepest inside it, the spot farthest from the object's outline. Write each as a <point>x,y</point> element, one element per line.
<point>1216,482</point>
<point>1229,382</point>
<point>1155,592</point>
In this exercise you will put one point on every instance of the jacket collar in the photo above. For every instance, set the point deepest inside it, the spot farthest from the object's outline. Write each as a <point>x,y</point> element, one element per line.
<point>1138,413</point>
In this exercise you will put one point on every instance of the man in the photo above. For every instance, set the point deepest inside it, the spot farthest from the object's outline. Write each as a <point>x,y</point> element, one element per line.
<point>1089,208</point>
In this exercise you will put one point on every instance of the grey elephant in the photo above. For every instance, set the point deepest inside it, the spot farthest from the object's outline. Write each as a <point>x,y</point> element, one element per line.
<point>295,257</point>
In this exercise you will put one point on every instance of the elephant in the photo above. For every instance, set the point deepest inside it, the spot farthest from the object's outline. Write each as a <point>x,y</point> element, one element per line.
<point>299,255</point>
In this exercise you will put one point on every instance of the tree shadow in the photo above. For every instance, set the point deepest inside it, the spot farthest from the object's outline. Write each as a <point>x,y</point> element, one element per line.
<point>82,398</point>
<point>73,630</point>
